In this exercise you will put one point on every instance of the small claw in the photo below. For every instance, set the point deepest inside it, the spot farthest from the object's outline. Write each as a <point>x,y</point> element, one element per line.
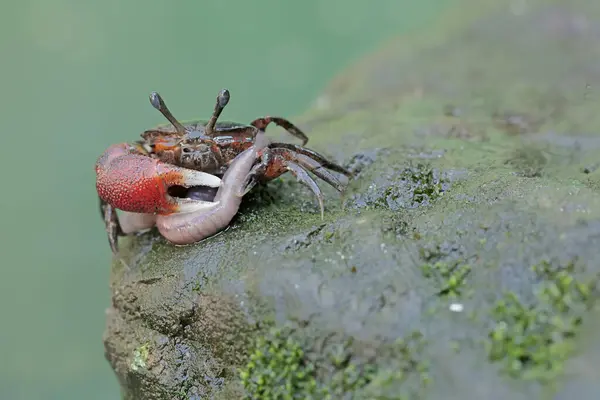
<point>137,183</point>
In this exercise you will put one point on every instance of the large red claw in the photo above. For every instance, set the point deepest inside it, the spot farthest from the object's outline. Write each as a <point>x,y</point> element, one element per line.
<point>137,183</point>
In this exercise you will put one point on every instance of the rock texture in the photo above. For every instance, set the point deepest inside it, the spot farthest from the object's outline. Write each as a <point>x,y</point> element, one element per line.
<point>461,264</point>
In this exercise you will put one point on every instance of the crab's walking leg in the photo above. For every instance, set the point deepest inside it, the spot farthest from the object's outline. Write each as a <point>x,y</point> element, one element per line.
<point>275,162</point>
<point>320,171</point>
<point>124,224</point>
<point>111,224</point>
<point>314,155</point>
<point>262,123</point>
<point>303,177</point>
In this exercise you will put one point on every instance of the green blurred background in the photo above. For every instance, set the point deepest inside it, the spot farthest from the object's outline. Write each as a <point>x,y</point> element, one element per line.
<point>76,75</point>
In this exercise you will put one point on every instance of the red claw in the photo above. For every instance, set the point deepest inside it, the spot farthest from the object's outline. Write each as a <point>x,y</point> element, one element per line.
<point>134,182</point>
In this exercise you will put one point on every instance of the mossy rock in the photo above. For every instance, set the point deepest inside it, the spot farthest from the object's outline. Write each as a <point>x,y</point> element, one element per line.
<point>462,263</point>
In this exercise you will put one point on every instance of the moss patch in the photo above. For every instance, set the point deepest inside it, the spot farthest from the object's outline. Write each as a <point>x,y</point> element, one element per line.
<point>407,376</point>
<point>409,186</point>
<point>449,278</point>
<point>279,369</point>
<point>534,341</point>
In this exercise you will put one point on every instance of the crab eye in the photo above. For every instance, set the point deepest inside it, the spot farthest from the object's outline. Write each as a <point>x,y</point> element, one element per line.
<point>223,98</point>
<point>186,150</point>
<point>155,100</point>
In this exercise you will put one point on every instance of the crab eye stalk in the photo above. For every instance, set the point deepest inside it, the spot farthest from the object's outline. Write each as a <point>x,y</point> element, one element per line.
<point>222,100</point>
<point>158,103</point>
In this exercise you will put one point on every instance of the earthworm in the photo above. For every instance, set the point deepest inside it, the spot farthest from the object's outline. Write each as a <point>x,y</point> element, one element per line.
<point>191,227</point>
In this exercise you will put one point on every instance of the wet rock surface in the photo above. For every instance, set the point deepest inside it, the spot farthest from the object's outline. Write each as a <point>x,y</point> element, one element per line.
<point>462,263</point>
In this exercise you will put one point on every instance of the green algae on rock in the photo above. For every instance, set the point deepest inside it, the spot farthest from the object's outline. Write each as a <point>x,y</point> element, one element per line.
<point>279,368</point>
<point>470,141</point>
<point>409,186</point>
<point>534,341</point>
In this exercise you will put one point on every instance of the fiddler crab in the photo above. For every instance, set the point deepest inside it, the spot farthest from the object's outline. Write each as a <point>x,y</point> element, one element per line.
<point>188,180</point>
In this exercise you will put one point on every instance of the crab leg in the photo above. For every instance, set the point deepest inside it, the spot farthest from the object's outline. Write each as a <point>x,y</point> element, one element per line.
<point>320,171</point>
<point>111,224</point>
<point>137,183</point>
<point>314,155</point>
<point>262,123</point>
<point>275,161</point>
<point>303,177</point>
<point>124,224</point>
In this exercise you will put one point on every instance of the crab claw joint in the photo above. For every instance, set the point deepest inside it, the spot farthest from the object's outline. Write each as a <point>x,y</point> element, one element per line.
<point>137,183</point>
